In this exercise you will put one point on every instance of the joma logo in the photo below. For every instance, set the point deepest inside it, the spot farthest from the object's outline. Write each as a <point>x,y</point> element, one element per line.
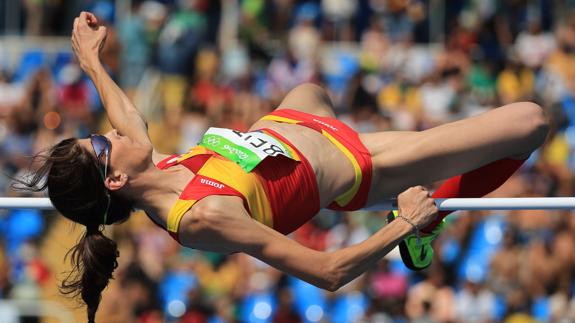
<point>325,124</point>
<point>211,183</point>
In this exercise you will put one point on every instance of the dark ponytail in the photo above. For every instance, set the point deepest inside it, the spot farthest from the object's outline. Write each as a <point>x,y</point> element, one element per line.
<point>93,260</point>
<point>75,187</point>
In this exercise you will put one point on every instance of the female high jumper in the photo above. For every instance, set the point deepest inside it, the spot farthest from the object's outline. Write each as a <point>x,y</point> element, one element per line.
<point>243,192</point>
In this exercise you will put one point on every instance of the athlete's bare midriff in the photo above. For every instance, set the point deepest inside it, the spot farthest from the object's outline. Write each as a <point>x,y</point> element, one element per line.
<point>334,172</point>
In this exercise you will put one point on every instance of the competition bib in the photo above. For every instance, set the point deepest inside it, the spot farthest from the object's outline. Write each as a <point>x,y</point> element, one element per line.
<point>247,149</point>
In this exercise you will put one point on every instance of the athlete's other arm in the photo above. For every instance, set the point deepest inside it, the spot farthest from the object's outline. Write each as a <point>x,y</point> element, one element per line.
<point>221,224</point>
<point>88,38</point>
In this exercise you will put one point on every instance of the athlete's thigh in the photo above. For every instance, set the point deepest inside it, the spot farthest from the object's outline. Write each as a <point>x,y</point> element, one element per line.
<point>392,156</point>
<point>308,98</point>
<point>404,159</point>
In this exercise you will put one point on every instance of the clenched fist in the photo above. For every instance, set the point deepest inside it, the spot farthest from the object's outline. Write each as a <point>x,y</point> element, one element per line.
<point>88,38</point>
<point>417,206</point>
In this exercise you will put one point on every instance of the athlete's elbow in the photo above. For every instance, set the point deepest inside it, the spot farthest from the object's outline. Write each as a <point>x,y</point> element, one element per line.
<point>333,286</point>
<point>335,283</point>
<point>329,283</point>
<point>335,275</point>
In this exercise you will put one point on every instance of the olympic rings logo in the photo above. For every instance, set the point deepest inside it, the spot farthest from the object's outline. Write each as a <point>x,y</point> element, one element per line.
<point>213,141</point>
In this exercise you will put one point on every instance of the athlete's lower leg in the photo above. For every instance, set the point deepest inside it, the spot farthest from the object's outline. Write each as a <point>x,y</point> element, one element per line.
<point>476,183</point>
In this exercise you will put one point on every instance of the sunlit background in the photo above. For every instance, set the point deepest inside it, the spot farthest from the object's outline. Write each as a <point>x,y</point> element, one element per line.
<point>387,64</point>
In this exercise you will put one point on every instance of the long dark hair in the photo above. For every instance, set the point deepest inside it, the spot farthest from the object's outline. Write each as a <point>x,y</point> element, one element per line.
<point>75,187</point>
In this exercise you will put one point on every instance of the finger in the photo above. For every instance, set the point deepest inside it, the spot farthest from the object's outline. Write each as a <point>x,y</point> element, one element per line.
<point>414,188</point>
<point>83,18</point>
<point>76,20</point>
<point>75,46</point>
<point>92,19</point>
<point>75,42</point>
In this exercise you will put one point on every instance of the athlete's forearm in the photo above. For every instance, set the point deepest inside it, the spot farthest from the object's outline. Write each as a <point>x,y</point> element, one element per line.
<point>121,112</point>
<point>350,262</point>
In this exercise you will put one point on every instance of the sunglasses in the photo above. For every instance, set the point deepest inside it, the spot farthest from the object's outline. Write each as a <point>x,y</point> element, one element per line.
<point>102,147</point>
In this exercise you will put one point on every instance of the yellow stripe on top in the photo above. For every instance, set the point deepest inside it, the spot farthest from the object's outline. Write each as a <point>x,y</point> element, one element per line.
<point>177,213</point>
<point>196,150</point>
<point>232,175</point>
<point>182,206</point>
<point>247,184</point>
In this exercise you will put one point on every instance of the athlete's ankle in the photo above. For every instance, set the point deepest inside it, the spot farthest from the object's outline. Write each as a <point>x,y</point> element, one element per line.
<point>432,226</point>
<point>426,231</point>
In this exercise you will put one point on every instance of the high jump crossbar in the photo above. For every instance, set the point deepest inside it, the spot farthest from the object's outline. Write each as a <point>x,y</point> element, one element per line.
<point>520,203</point>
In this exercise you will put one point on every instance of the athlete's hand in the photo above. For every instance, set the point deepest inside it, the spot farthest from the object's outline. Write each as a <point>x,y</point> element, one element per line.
<point>88,38</point>
<point>416,205</point>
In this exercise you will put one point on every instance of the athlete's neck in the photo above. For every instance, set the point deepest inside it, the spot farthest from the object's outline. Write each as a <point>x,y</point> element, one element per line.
<point>155,190</point>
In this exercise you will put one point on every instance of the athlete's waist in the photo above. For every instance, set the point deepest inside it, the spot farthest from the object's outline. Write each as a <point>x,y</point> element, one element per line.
<point>330,165</point>
<point>291,187</point>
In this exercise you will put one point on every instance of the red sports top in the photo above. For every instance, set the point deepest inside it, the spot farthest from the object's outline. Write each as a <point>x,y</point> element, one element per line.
<point>280,192</point>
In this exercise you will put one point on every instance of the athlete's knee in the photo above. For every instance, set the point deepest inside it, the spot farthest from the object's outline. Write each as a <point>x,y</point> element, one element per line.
<point>314,90</point>
<point>539,122</point>
<point>308,86</point>
<point>534,122</point>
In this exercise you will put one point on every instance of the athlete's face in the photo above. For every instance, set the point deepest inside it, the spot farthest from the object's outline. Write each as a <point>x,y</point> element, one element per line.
<point>117,154</point>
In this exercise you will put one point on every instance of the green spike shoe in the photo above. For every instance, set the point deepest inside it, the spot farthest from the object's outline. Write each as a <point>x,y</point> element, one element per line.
<point>416,252</point>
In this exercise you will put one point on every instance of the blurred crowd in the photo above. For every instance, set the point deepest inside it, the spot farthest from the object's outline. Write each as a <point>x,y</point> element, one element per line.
<point>388,65</point>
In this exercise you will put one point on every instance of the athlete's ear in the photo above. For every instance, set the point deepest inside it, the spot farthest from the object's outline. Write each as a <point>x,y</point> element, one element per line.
<point>116,181</point>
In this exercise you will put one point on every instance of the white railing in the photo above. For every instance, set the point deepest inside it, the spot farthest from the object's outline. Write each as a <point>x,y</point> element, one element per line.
<point>41,203</point>
<point>525,203</point>
<point>14,309</point>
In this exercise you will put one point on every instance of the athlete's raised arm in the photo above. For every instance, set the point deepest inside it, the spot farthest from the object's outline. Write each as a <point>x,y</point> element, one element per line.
<point>221,224</point>
<point>88,38</point>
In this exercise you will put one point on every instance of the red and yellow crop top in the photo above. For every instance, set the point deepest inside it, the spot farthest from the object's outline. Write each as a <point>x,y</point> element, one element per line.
<point>280,193</point>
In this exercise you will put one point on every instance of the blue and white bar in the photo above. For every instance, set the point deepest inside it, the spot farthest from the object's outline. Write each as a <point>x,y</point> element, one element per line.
<point>523,203</point>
